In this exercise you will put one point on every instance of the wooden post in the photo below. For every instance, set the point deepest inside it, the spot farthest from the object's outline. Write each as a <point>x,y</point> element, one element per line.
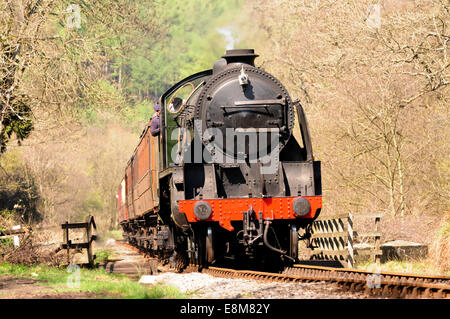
<point>377,241</point>
<point>90,229</point>
<point>89,241</point>
<point>16,237</point>
<point>66,241</point>
<point>350,261</point>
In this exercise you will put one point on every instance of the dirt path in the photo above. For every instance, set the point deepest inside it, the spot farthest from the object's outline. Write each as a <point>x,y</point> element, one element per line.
<point>18,288</point>
<point>126,260</point>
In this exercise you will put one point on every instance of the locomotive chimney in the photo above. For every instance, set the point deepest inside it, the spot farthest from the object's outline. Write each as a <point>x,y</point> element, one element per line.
<point>246,56</point>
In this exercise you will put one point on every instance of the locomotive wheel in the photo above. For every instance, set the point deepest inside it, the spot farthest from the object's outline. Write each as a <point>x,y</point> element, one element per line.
<point>209,245</point>
<point>191,250</point>
<point>293,248</point>
<point>181,262</point>
<point>179,219</point>
<point>205,248</point>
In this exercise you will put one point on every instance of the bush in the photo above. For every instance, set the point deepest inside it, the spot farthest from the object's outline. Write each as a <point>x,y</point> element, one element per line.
<point>34,249</point>
<point>102,256</point>
<point>19,195</point>
<point>440,248</point>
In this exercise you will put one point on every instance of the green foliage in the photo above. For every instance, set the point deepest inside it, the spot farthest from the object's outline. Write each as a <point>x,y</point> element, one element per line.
<point>135,117</point>
<point>19,194</point>
<point>96,281</point>
<point>102,256</point>
<point>445,229</point>
<point>421,267</point>
<point>93,203</point>
<point>11,162</point>
<point>7,213</point>
<point>17,121</point>
<point>115,234</point>
<point>192,44</point>
<point>106,77</point>
<point>88,115</point>
<point>123,54</point>
<point>108,104</point>
<point>6,243</point>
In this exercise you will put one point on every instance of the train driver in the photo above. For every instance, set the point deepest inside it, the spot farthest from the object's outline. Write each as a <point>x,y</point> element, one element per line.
<point>154,125</point>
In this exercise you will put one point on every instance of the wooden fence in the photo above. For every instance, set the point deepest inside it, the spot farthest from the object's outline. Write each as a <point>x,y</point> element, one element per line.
<point>90,228</point>
<point>333,238</point>
<point>68,244</point>
<point>14,232</point>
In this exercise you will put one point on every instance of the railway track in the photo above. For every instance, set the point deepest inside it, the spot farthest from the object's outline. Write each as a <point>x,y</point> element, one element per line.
<point>385,284</point>
<point>382,284</point>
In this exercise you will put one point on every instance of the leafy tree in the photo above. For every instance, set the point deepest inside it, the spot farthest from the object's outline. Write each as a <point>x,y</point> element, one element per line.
<point>191,44</point>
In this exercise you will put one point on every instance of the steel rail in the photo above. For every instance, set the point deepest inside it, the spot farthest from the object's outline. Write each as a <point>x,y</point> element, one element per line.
<point>388,284</point>
<point>383,283</point>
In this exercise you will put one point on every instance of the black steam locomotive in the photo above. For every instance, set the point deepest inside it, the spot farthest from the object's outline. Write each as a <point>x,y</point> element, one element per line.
<point>229,178</point>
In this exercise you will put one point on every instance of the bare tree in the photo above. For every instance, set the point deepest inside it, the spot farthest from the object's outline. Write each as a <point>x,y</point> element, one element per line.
<point>55,53</point>
<point>376,94</point>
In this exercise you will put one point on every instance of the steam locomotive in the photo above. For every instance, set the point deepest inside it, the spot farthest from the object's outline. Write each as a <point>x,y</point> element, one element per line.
<point>230,177</point>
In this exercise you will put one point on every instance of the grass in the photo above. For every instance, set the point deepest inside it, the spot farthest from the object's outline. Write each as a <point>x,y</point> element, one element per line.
<point>96,281</point>
<point>102,255</point>
<point>6,242</point>
<point>437,262</point>
<point>421,267</point>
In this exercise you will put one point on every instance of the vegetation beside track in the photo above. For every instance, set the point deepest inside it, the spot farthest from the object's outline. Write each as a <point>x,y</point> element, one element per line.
<point>102,255</point>
<point>437,263</point>
<point>420,267</point>
<point>96,281</point>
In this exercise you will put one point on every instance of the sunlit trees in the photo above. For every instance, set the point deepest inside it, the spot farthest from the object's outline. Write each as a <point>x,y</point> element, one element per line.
<point>78,80</point>
<point>377,96</point>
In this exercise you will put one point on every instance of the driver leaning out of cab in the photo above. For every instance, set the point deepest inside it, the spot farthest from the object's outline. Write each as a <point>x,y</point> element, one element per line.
<point>154,124</point>
<point>175,105</point>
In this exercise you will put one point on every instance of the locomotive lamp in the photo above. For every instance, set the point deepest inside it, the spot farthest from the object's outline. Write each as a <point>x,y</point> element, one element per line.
<point>301,206</point>
<point>243,77</point>
<point>202,210</point>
